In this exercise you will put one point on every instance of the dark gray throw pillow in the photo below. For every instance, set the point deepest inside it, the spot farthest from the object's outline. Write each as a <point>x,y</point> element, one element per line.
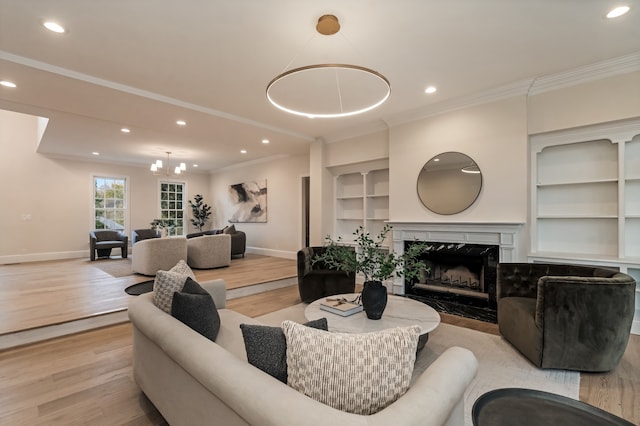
<point>267,347</point>
<point>195,307</point>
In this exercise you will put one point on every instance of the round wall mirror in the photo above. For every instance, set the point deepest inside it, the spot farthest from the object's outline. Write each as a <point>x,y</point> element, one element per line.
<point>449,183</point>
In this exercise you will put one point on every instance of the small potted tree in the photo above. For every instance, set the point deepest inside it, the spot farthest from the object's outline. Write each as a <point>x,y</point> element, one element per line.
<point>371,259</point>
<point>201,212</point>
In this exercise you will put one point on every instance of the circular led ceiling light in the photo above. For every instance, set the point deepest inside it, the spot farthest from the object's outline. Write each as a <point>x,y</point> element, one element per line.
<point>328,90</point>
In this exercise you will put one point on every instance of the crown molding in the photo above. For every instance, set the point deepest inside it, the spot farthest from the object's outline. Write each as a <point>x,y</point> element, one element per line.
<point>518,88</point>
<point>597,71</point>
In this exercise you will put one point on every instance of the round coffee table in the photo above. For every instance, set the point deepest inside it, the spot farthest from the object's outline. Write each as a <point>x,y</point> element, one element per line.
<point>528,407</point>
<point>400,312</point>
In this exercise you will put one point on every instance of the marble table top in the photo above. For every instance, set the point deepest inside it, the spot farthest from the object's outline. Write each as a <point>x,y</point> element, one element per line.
<point>400,312</point>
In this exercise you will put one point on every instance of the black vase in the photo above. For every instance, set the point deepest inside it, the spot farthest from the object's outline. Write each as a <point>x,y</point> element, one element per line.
<point>374,299</point>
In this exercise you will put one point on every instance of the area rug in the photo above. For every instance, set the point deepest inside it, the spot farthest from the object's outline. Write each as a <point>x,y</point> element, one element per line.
<point>140,288</point>
<point>117,268</point>
<point>500,365</point>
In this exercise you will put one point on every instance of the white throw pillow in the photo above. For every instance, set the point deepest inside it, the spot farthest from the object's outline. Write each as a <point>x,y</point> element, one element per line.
<point>357,373</point>
<point>182,268</point>
<point>165,284</point>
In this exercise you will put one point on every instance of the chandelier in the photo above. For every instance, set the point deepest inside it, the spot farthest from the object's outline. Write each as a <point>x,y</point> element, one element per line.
<point>328,90</point>
<point>158,165</point>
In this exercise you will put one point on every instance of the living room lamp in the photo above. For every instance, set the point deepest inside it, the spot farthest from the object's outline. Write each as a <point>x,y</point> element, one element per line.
<point>328,90</point>
<point>155,167</point>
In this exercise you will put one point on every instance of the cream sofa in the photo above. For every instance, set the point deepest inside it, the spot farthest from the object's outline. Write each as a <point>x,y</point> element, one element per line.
<point>209,251</point>
<point>155,254</point>
<point>194,381</point>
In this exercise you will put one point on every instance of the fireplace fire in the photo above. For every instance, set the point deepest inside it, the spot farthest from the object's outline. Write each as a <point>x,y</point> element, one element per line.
<point>461,277</point>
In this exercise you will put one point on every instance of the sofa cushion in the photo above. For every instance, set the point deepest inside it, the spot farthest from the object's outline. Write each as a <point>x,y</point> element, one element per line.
<point>357,373</point>
<point>164,286</point>
<point>231,229</point>
<point>195,307</point>
<point>184,269</point>
<point>267,347</point>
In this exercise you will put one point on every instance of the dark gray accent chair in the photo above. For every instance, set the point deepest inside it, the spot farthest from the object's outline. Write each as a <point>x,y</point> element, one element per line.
<point>143,234</point>
<point>103,240</point>
<point>316,281</point>
<point>567,317</point>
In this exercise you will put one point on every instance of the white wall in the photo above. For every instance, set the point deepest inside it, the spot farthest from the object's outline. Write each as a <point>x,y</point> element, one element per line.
<point>599,101</point>
<point>57,196</point>
<point>281,235</point>
<point>493,134</point>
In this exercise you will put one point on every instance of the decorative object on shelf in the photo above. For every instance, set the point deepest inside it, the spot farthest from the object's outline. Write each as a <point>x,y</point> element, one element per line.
<point>449,183</point>
<point>201,212</point>
<point>249,201</point>
<point>357,89</point>
<point>158,164</point>
<point>162,226</point>
<point>376,262</point>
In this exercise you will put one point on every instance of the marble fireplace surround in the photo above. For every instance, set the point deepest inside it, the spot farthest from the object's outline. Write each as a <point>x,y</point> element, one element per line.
<point>505,235</point>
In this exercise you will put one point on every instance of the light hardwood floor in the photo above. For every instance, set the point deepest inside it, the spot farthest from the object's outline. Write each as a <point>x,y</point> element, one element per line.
<point>87,378</point>
<point>44,293</point>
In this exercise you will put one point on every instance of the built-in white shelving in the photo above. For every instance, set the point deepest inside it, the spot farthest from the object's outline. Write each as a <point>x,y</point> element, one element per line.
<point>362,199</point>
<point>585,198</point>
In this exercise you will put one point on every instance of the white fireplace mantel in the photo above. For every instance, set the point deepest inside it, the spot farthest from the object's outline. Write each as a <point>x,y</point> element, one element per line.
<point>506,235</point>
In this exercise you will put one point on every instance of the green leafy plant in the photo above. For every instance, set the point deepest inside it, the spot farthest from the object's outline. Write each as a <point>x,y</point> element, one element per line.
<point>158,224</point>
<point>201,212</point>
<point>371,258</point>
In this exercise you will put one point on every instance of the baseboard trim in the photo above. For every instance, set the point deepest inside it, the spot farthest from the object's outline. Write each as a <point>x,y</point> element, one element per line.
<point>635,327</point>
<point>274,253</point>
<point>41,257</point>
<point>26,337</point>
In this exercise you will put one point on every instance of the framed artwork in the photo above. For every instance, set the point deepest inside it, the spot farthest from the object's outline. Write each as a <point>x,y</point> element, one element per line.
<point>248,201</point>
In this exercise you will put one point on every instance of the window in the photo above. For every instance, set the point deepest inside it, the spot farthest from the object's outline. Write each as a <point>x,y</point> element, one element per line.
<point>109,202</point>
<point>172,205</point>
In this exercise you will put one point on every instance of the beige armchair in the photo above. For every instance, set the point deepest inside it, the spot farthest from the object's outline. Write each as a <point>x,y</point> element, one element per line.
<point>155,254</point>
<point>209,251</point>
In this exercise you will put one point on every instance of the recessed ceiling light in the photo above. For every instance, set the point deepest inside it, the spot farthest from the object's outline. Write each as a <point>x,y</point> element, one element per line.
<point>436,159</point>
<point>181,123</point>
<point>618,11</point>
<point>55,27</point>
<point>6,83</point>
<point>195,165</point>
<point>243,151</point>
<point>125,130</point>
<point>95,153</point>
<point>265,141</point>
<point>430,90</point>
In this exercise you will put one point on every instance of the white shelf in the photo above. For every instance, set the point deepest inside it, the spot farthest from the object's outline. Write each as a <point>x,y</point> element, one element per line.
<point>576,183</point>
<point>361,199</point>
<point>585,196</point>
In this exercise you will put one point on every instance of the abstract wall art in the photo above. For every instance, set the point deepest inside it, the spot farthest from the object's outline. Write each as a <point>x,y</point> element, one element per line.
<point>248,202</point>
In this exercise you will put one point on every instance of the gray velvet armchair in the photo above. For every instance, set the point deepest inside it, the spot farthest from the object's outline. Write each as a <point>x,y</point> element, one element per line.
<point>103,240</point>
<point>565,316</point>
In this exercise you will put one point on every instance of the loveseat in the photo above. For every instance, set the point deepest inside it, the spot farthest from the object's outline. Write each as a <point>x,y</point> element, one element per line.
<point>194,381</point>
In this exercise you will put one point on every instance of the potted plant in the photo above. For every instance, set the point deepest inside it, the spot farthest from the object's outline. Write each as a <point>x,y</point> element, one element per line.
<point>201,212</point>
<point>375,262</point>
<point>162,225</point>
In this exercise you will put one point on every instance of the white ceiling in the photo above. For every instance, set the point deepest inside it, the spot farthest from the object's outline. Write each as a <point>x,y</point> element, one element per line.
<point>144,64</point>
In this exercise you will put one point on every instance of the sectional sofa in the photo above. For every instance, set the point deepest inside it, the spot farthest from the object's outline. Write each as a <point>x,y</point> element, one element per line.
<point>193,380</point>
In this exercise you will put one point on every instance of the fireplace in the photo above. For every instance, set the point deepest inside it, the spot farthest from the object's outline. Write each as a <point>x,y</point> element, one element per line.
<point>463,261</point>
<point>458,274</point>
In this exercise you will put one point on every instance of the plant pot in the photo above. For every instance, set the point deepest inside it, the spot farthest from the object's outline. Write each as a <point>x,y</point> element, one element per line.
<point>374,299</point>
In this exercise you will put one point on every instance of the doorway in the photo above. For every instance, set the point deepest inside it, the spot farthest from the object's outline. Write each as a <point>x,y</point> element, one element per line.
<point>305,187</point>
